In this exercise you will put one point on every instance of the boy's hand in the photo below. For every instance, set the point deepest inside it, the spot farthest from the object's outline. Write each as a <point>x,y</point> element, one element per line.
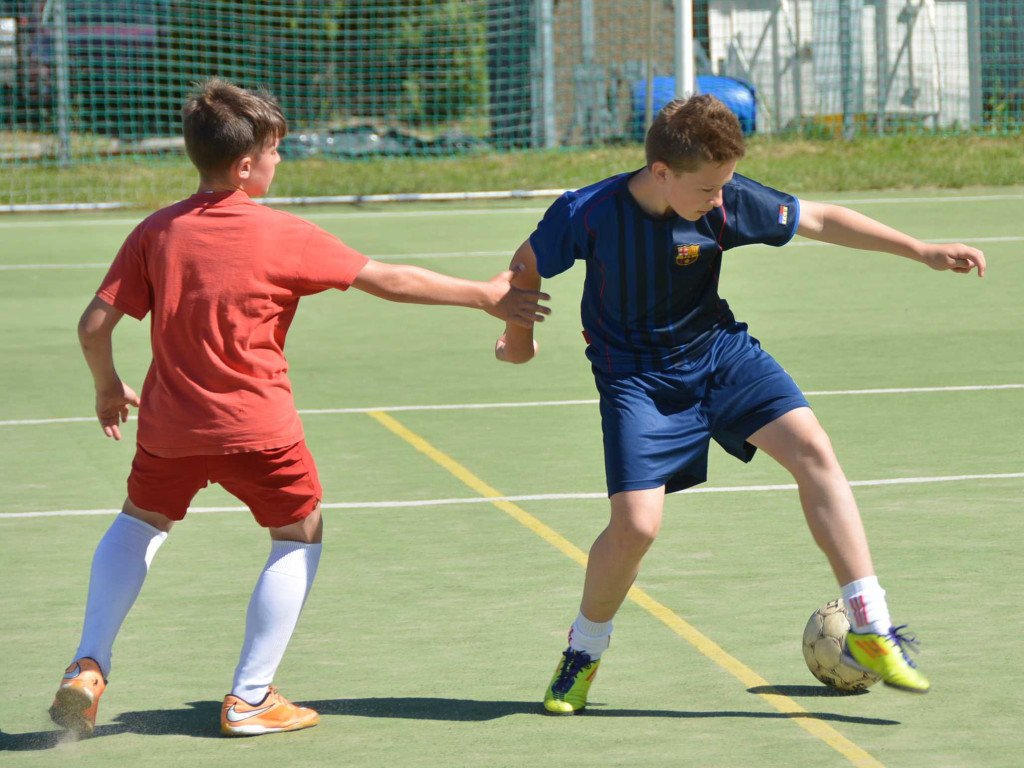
<point>954,256</point>
<point>112,407</point>
<point>502,353</point>
<point>514,305</point>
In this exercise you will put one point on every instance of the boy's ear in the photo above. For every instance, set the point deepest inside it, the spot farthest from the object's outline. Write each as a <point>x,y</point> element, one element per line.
<point>660,171</point>
<point>242,167</point>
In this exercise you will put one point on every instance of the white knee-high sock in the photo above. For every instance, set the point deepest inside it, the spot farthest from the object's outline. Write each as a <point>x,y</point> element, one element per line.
<point>119,568</point>
<point>273,613</point>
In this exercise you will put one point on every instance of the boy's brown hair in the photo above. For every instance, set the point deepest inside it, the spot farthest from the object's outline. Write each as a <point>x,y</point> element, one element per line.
<point>689,132</point>
<point>223,122</point>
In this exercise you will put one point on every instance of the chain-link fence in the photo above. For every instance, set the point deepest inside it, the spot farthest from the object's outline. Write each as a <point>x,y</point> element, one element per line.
<point>876,65</point>
<point>101,81</point>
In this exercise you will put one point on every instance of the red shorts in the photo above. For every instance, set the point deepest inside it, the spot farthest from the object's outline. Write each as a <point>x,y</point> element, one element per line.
<point>280,486</point>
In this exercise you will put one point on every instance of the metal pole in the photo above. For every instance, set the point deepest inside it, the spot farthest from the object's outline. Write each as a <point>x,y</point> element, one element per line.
<point>846,70</point>
<point>685,75</point>
<point>798,83</point>
<point>589,95</point>
<point>536,81</point>
<point>60,53</point>
<point>974,61</point>
<point>776,69</point>
<point>547,34</point>
<point>881,61</point>
<point>649,69</point>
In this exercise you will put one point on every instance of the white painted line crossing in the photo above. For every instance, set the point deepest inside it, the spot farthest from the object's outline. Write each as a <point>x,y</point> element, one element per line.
<point>538,496</point>
<point>554,403</point>
<point>121,222</point>
<point>378,257</point>
<point>312,216</point>
<point>508,253</point>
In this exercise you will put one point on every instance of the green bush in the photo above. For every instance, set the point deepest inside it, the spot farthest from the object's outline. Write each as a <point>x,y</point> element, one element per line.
<point>423,61</point>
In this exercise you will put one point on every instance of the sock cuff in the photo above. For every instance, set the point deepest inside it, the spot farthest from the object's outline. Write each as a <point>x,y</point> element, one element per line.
<point>592,628</point>
<point>129,532</point>
<point>867,584</point>
<point>294,558</point>
<point>140,526</point>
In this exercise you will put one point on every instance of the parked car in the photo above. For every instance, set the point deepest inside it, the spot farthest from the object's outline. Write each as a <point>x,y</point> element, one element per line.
<point>112,63</point>
<point>8,52</point>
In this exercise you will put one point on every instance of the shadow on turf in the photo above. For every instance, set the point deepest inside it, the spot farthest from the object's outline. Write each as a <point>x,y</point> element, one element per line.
<point>809,691</point>
<point>202,720</point>
<point>470,710</point>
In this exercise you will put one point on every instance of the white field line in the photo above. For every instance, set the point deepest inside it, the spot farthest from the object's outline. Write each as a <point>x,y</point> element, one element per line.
<point>378,257</point>
<point>312,216</point>
<point>69,222</point>
<point>508,253</point>
<point>545,403</point>
<point>965,239</point>
<point>539,496</point>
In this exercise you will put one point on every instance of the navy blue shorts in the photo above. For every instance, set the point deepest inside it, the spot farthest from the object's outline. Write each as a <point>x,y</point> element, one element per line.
<point>658,425</point>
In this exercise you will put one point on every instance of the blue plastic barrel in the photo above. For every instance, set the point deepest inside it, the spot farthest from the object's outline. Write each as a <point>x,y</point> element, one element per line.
<point>738,95</point>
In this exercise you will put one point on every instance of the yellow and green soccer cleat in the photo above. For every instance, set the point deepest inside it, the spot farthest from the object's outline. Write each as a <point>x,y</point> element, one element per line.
<point>567,692</point>
<point>886,656</point>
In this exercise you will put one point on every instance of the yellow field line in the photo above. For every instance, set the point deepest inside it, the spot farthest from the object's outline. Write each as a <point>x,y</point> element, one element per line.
<point>697,639</point>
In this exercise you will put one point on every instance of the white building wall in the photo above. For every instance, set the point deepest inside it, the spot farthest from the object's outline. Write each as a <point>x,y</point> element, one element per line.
<point>790,50</point>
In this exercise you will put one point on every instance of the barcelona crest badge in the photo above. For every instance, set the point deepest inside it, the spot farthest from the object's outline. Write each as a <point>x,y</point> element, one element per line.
<point>687,254</point>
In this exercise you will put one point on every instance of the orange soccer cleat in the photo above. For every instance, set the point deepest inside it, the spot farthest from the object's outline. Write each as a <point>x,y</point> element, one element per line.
<point>272,715</point>
<point>74,706</point>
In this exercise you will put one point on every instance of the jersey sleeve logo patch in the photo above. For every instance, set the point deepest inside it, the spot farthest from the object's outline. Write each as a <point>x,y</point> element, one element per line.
<point>687,254</point>
<point>783,214</point>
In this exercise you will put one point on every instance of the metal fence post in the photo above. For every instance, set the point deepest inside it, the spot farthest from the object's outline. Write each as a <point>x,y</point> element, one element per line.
<point>60,53</point>
<point>588,77</point>
<point>685,79</point>
<point>547,53</point>
<point>881,62</point>
<point>974,55</point>
<point>846,70</point>
<point>649,68</point>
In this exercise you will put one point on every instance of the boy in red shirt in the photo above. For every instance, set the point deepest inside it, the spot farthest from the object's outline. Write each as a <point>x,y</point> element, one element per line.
<point>221,277</point>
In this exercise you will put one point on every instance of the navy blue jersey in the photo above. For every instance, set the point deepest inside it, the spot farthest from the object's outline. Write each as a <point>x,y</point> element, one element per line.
<point>651,292</point>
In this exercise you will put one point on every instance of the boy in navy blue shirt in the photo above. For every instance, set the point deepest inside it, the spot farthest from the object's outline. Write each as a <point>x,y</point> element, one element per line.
<point>674,368</point>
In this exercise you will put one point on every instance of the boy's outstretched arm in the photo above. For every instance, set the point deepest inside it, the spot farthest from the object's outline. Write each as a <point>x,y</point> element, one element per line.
<point>415,285</point>
<point>113,396</point>
<point>516,344</point>
<point>842,226</point>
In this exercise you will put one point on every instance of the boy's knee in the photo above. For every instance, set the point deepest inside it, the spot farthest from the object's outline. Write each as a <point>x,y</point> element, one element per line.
<point>309,530</point>
<point>636,535</point>
<point>813,451</point>
<point>157,520</point>
<point>636,519</point>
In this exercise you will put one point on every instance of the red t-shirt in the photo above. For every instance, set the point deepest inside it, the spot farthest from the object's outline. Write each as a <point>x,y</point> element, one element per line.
<point>222,277</point>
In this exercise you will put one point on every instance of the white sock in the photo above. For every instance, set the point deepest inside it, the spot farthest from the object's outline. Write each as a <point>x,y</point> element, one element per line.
<point>866,607</point>
<point>273,613</point>
<point>593,637</point>
<point>119,567</point>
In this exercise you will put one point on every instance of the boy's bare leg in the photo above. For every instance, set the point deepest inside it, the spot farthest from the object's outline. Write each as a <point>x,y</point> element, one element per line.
<point>308,531</point>
<point>611,569</point>
<point>616,554</point>
<point>155,519</point>
<point>798,442</point>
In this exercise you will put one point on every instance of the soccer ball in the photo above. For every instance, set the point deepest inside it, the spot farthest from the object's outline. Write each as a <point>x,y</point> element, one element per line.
<point>824,638</point>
